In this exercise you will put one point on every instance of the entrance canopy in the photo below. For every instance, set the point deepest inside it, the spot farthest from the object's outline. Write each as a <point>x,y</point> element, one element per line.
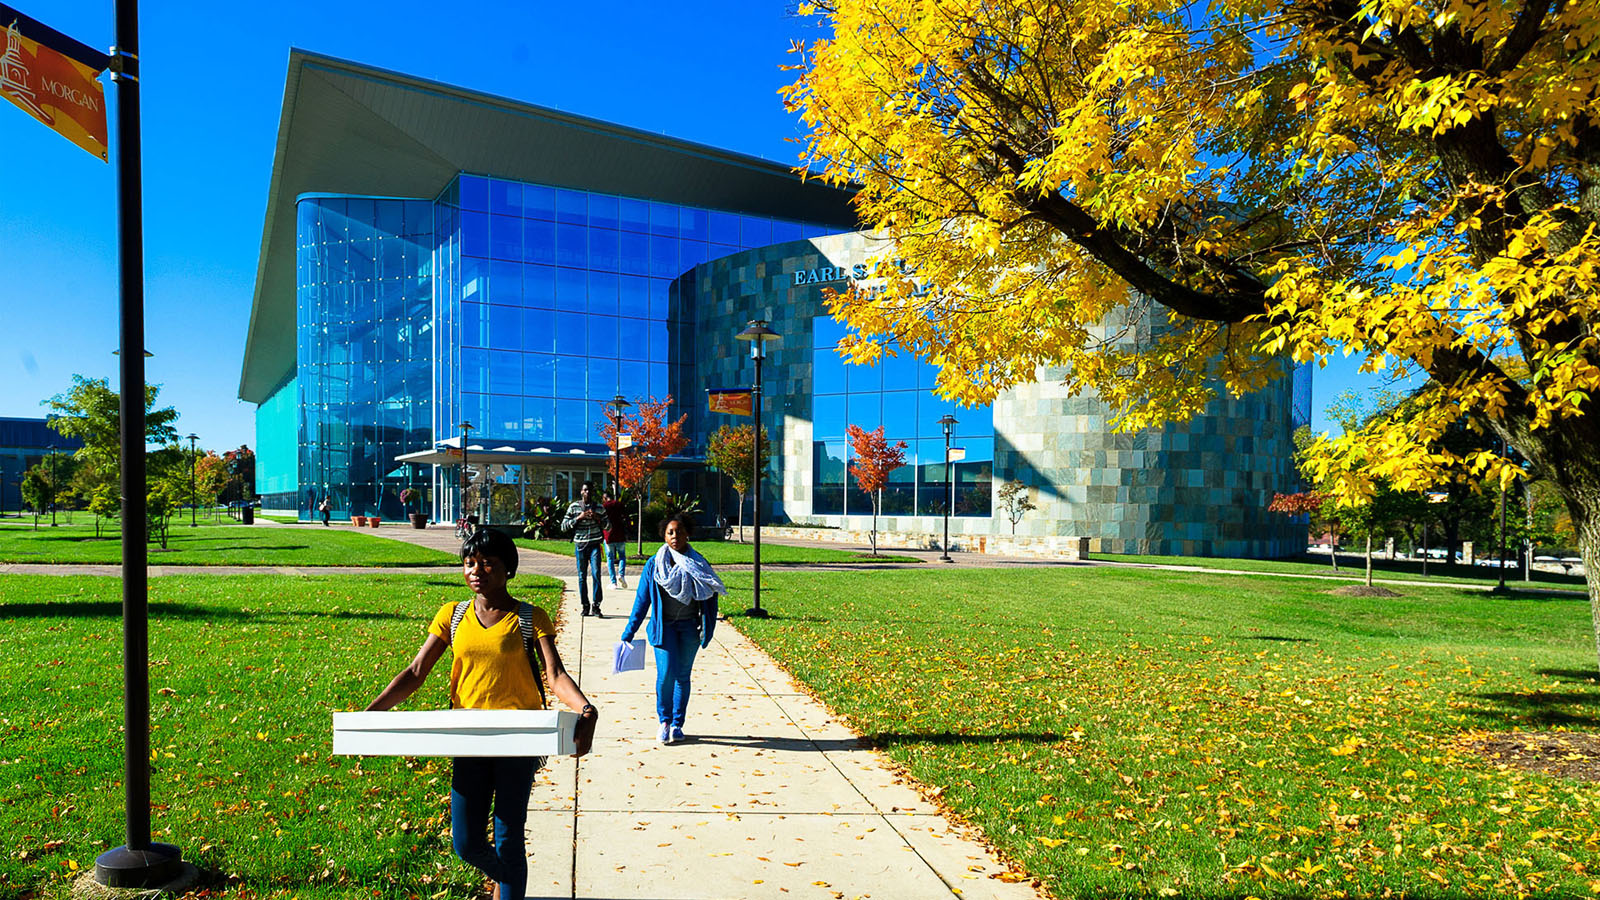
<point>525,453</point>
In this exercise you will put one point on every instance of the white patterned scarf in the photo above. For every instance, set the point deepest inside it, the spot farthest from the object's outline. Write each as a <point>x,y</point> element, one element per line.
<point>686,577</point>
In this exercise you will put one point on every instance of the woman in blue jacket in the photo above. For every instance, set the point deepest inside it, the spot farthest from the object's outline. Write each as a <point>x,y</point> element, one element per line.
<point>679,591</point>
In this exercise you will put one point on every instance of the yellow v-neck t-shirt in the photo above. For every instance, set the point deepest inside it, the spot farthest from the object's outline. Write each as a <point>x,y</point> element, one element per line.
<point>490,669</point>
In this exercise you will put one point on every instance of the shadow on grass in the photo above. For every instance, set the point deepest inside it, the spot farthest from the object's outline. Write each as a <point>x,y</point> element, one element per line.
<point>1541,708</point>
<point>158,610</point>
<point>1579,675</point>
<point>885,739</point>
<point>1280,639</point>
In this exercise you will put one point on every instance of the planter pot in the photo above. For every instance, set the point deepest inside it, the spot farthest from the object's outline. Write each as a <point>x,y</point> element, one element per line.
<point>360,521</point>
<point>419,520</point>
<point>374,521</point>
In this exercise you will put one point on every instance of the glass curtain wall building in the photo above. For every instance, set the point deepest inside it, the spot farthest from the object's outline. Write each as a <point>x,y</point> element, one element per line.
<point>434,256</point>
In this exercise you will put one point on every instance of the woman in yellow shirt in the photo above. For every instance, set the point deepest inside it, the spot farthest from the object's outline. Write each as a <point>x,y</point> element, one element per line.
<point>490,638</point>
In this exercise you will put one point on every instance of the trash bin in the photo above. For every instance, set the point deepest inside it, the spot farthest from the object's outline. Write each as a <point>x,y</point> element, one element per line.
<point>249,515</point>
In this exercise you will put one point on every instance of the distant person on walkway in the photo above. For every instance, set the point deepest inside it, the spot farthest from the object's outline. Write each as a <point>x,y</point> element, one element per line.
<point>326,508</point>
<point>679,591</point>
<point>499,646</point>
<point>586,519</point>
<point>616,535</point>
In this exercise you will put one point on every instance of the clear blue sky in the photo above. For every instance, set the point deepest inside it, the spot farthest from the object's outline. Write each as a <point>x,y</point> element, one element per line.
<point>212,90</point>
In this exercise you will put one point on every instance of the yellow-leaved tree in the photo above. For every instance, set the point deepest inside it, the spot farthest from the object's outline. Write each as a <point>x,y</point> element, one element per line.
<point>1413,181</point>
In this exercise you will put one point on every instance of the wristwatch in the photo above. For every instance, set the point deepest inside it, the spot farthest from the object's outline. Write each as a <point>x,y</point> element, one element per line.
<point>588,708</point>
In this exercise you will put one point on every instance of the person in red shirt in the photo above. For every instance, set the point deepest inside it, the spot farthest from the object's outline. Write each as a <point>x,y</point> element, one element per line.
<point>616,536</point>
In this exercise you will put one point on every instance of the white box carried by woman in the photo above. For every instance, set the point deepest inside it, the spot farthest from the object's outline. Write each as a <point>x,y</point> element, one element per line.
<point>455,732</point>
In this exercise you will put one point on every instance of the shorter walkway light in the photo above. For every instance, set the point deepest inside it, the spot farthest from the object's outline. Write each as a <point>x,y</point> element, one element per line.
<point>949,422</point>
<point>757,333</point>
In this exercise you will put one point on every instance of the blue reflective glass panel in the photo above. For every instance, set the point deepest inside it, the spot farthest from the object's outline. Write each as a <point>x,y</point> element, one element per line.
<point>827,416</point>
<point>603,211</point>
<point>660,380</point>
<point>539,374</point>
<point>538,202</point>
<point>474,370</point>
<point>605,249</point>
<point>474,192</point>
<point>782,232</point>
<point>634,297</point>
<point>538,242</point>
<point>692,253</point>
<point>826,332</point>
<point>635,257</point>
<point>864,411</point>
<point>505,237</point>
<point>474,325</point>
<point>931,408</point>
<point>570,333</point>
<point>474,234</point>
<point>505,197</point>
<point>633,380</point>
<point>538,418</point>
<point>664,257</point>
<point>505,283</point>
<point>658,298</point>
<point>633,339</point>
<point>663,219</point>
<point>572,290</point>
<point>754,231</point>
<point>505,416</point>
<point>899,372</point>
<point>863,378</point>
<point>900,415</point>
<point>505,327</point>
<point>724,228</point>
<point>602,297</point>
<point>572,377</point>
<point>656,334</point>
<point>539,331</point>
<point>827,372</point>
<point>602,378</point>
<point>572,246</point>
<point>505,372</point>
<point>572,207</point>
<point>572,421</point>
<point>635,214</point>
<point>603,336</point>
<point>539,286</point>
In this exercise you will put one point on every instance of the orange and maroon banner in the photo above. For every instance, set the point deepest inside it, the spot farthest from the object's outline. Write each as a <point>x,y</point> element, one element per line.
<point>58,90</point>
<point>734,402</point>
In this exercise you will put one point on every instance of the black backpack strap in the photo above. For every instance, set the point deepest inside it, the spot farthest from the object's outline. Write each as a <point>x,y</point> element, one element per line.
<point>530,645</point>
<point>456,617</point>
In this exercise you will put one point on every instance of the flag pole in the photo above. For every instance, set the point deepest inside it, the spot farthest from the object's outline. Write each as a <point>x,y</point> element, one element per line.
<point>139,863</point>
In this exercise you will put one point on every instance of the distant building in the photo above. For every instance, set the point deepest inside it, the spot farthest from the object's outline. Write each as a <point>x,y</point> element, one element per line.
<point>433,255</point>
<point>23,443</point>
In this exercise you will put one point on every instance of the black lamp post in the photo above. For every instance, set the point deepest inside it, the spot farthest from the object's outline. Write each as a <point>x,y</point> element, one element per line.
<point>949,423</point>
<point>466,431</point>
<point>757,333</point>
<point>55,474</point>
<point>615,408</point>
<point>194,497</point>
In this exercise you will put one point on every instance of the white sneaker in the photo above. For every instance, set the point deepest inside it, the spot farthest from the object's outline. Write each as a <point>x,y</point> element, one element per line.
<point>665,734</point>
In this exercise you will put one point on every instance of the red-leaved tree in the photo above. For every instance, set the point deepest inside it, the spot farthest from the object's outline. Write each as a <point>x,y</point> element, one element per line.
<point>1313,504</point>
<point>654,439</point>
<point>874,458</point>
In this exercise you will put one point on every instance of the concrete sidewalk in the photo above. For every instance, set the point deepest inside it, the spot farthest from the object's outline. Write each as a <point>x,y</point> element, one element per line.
<point>769,794</point>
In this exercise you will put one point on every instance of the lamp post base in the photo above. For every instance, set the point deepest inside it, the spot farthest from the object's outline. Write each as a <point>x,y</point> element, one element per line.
<point>756,612</point>
<point>156,866</point>
<point>945,557</point>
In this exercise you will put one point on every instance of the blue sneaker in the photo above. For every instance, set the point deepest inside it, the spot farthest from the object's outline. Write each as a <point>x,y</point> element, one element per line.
<point>677,735</point>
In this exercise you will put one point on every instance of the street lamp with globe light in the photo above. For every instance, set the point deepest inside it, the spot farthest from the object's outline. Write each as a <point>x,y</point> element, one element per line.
<point>949,422</point>
<point>758,334</point>
<point>194,498</point>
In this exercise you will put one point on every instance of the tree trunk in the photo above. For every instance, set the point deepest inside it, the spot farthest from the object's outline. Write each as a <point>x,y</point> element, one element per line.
<point>1333,548</point>
<point>1588,529</point>
<point>1369,559</point>
<point>874,533</point>
<point>741,518</point>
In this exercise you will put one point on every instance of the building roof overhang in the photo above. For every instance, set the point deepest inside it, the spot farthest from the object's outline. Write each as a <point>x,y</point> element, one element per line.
<point>346,128</point>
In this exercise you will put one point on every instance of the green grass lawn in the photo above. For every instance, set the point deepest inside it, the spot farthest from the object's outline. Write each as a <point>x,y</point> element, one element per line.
<point>245,673</point>
<point>217,545</point>
<point>1354,568</point>
<point>732,553</point>
<point>1127,732</point>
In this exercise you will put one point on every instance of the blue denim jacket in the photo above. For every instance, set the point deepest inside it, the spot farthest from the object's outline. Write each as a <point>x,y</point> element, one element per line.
<point>649,599</point>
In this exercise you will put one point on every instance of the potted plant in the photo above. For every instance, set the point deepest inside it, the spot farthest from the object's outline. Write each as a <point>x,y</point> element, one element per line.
<point>360,521</point>
<point>407,497</point>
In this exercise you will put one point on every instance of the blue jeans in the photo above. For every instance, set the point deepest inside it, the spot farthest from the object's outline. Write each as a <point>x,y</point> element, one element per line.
<point>506,781</point>
<point>680,642</point>
<point>588,556</point>
<point>617,559</point>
